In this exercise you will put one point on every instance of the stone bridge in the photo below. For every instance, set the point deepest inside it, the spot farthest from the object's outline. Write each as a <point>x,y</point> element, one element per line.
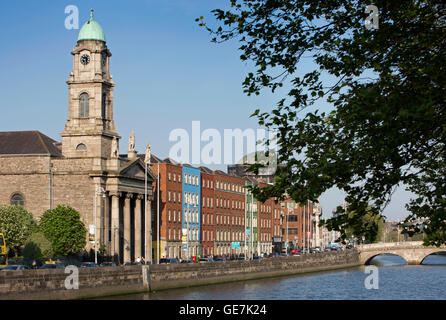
<point>414,252</point>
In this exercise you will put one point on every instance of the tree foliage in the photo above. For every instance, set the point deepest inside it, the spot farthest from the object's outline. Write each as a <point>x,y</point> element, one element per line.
<point>37,246</point>
<point>370,224</point>
<point>386,87</point>
<point>17,224</point>
<point>63,227</point>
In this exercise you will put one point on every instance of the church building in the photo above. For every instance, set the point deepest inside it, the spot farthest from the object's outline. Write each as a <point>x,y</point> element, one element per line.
<point>85,171</point>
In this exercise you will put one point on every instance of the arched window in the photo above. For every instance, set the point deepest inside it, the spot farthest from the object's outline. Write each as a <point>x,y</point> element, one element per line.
<point>81,147</point>
<point>104,105</point>
<point>17,200</point>
<point>83,105</point>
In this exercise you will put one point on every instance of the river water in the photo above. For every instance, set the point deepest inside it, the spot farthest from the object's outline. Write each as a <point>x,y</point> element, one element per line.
<point>396,280</point>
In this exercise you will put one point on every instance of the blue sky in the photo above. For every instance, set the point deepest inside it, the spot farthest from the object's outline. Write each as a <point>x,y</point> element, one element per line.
<point>167,72</point>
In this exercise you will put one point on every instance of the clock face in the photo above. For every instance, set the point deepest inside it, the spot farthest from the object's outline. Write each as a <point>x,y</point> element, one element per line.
<point>85,59</point>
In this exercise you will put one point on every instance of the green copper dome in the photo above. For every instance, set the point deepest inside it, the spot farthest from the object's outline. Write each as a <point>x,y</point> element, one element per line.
<point>91,30</point>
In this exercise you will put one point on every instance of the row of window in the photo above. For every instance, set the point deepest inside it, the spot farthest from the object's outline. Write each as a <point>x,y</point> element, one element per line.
<point>230,204</point>
<point>191,216</point>
<point>175,234</point>
<point>265,223</point>
<point>174,176</point>
<point>172,216</point>
<point>191,179</point>
<point>265,237</point>
<point>265,208</point>
<point>206,183</point>
<point>236,220</point>
<point>226,186</point>
<point>171,196</point>
<point>191,198</point>
<point>226,235</point>
<point>286,231</point>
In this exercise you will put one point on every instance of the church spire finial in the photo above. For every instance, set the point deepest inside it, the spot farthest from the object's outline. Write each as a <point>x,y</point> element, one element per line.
<point>91,14</point>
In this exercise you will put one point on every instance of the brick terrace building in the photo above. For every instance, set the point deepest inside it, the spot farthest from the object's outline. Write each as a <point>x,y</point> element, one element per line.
<point>170,207</point>
<point>229,212</point>
<point>207,212</point>
<point>291,229</point>
<point>297,226</point>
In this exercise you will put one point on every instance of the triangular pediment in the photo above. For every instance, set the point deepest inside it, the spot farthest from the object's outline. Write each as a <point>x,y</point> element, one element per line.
<point>136,169</point>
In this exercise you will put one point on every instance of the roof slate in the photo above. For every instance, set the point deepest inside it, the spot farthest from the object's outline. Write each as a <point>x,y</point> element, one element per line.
<point>28,142</point>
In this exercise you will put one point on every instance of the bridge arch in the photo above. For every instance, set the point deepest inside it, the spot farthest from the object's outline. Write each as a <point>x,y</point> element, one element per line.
<point>412,252</point>
<point>368,258</point>
<point>439,250</point>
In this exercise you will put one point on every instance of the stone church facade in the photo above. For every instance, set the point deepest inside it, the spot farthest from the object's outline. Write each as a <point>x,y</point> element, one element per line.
<point>84,171</point>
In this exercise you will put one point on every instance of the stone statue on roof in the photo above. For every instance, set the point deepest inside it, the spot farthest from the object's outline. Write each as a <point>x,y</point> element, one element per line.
<point>132,141</point>
<point>114,148</point>
<point>148,153</point>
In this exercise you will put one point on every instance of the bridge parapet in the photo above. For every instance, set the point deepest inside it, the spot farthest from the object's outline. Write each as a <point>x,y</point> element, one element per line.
<point>391,244</point>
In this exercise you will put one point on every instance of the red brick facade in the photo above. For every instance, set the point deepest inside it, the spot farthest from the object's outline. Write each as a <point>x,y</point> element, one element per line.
<point>170,207</point>
<point>230,213</point>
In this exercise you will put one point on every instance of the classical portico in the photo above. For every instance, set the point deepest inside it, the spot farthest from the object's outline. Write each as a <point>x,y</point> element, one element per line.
<point>127,231</point>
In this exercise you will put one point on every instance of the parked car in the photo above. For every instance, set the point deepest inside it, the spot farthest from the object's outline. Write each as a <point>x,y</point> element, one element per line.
<point>295,252</point>
<point>169,261</point>
<point>220,259</point>
<point>107,264</point>
<point>187,261</point>
<point>88,265</point>
<point>257,258</point>
<point>15,267</point>
<point>205,260</point>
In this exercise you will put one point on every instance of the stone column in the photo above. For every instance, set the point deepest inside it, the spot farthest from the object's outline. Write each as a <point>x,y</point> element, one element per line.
<point>148,231</point>
<point>137,215</point>
<point>115,224</point>
<point>106,224</point>
<point>127,243</point>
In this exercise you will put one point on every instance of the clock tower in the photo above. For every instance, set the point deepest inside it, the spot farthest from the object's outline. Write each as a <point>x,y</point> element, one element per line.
<point>90,128</point>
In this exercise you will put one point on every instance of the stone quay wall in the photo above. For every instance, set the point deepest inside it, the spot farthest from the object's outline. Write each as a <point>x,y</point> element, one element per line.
<point>93,282</point>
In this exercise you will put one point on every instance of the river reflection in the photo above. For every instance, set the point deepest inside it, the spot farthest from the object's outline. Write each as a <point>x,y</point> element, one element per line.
<point>397,280</point>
